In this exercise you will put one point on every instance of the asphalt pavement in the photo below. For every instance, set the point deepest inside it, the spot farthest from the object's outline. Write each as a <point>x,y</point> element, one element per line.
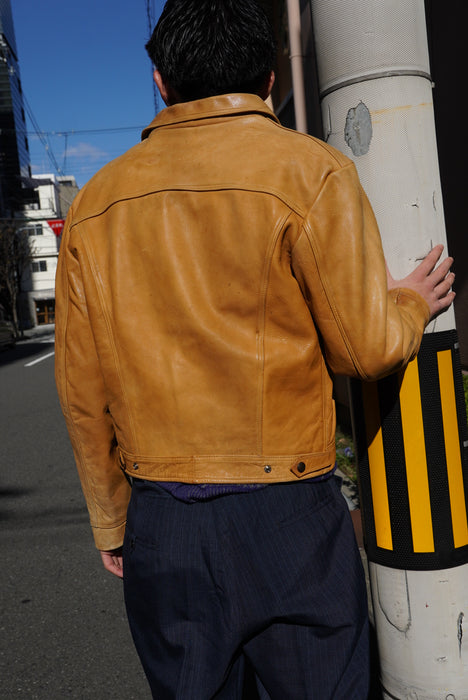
<point>63,630</point>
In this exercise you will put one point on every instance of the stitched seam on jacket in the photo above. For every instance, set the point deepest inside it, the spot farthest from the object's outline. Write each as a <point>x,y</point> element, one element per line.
<point>293,206</point>
<point>111,527</point>
<point>332,305</point>
<point>83,471</point>
<point>261,326</point>
<point>202,458</point>
<point>324,282</point>
<point>324,423</point>
<point>110,335</point>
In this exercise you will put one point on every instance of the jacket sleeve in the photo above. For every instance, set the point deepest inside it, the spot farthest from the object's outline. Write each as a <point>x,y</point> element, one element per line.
<point>83,401</point>
<point>338,261</point>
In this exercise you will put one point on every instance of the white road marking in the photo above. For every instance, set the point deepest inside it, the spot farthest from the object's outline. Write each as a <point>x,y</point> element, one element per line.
<point>39,359</point>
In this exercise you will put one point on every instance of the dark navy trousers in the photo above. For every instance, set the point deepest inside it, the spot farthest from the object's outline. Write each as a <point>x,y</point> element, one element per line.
<point>272,578</point>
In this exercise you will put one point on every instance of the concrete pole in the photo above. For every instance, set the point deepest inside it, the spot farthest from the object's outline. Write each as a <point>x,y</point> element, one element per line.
<point>376,98</point>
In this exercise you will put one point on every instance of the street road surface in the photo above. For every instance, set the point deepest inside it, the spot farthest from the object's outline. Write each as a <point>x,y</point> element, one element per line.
<point>63,630</point>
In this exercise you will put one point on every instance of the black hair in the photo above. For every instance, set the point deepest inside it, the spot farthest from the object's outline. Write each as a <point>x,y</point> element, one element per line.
<point>212,47</point>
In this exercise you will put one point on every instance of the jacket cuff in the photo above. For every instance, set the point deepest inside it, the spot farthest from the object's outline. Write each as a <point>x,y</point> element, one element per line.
<point>106,539</point>
<point>414,303</point>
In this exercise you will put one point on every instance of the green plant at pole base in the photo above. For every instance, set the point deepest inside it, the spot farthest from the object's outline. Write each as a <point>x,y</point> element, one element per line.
<point>346,455</point>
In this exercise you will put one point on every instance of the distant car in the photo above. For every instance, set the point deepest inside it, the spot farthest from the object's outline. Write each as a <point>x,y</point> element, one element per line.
<point>7,331</point>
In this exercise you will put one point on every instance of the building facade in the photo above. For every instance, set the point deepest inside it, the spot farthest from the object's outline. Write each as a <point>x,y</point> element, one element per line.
<point>38,204</point>
<point>14,149</point>
<point>44,222</point>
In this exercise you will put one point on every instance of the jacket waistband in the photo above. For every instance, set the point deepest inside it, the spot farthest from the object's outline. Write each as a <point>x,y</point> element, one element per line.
<point>229,469</point>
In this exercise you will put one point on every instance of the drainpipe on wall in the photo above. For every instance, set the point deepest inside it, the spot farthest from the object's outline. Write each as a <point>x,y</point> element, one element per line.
<point>296,57</point>
<point>410,429</point>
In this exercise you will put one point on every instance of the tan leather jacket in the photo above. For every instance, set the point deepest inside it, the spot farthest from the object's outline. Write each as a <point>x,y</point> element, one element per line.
<point>210,281</point>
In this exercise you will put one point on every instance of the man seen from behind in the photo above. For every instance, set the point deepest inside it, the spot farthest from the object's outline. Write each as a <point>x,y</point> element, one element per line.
<point>211,282</point>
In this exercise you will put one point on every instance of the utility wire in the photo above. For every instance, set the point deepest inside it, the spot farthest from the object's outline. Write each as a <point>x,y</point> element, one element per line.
<point>42,137</point>
<point>76,132</point>
<point>73,132</point>
<point>65,152</point>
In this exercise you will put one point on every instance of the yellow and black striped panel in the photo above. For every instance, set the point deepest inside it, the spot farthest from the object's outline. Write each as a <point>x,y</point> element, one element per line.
<point>412,442</point>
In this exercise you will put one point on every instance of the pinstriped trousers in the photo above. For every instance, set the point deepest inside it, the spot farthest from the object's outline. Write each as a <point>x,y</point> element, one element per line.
<point>271,577</point>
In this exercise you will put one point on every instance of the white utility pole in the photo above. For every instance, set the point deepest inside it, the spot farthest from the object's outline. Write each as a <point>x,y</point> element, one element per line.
<point>376,98</point>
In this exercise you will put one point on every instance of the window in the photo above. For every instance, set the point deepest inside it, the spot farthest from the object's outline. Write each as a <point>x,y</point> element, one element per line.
<point>35,230</point>
<point>39,266</point>
<point>45,311</point>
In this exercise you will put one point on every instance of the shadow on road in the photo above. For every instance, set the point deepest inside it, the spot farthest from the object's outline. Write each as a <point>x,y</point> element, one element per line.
<point>8,496</point>
<point>20,508</point>
<point>14,492</point>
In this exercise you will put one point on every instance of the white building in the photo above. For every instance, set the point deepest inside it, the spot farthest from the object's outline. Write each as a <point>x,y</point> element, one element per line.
<point>43,221</point>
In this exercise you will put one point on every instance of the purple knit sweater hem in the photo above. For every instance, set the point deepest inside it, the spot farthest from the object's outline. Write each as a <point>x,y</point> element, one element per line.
<point>193,493</point>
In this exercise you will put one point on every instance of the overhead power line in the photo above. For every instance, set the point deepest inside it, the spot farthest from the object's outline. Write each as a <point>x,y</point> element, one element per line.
<point>45,135</point>
<point>42,137</point>
<point>74,132</point>
<point>77,132</point>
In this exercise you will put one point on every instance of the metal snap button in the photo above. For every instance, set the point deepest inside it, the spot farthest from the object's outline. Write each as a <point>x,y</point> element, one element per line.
<point>267,468</point>
<point>135,466</point>
<point>301,467</point>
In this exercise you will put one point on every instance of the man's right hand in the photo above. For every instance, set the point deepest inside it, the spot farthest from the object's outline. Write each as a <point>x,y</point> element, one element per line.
<point>431,282</point>
<point>112,561</point>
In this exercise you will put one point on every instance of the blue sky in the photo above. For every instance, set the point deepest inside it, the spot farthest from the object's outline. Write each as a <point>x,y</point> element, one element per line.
<point>83,68</point>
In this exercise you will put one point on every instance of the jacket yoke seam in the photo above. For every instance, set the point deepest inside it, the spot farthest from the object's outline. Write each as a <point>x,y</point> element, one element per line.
<point>272,192</point>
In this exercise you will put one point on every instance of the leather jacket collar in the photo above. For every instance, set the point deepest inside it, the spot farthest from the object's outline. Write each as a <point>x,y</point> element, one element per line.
<point>220,106</point>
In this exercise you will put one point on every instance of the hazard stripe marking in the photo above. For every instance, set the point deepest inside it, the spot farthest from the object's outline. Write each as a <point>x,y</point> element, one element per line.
<point>416,463</point>
<point>452,449</point>
<point>412,445</point>
<point>378,476</point>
